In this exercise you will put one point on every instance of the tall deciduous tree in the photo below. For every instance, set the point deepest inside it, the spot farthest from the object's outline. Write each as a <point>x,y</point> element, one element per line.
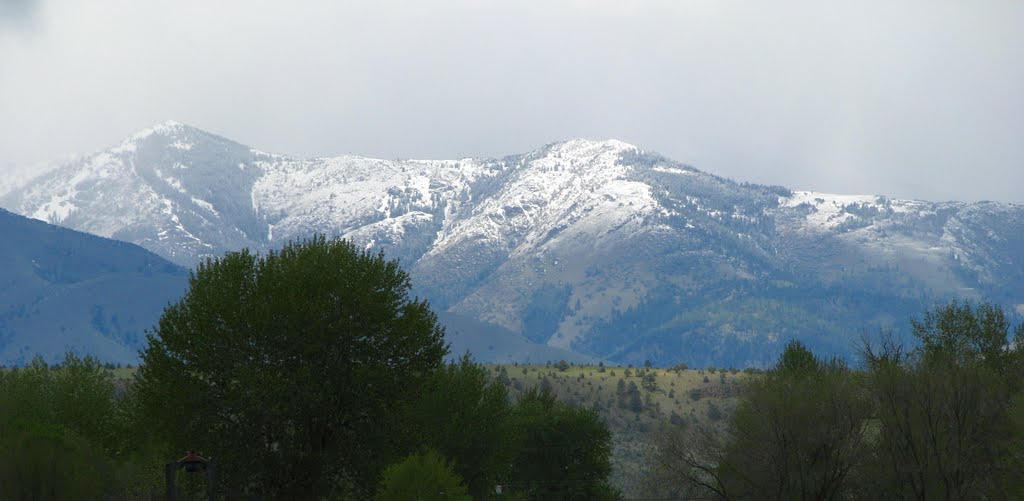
<point>464,414</point>
<point>58,428</point>
<point>798,433</point>
<point>289,368</point>
<point>564,453</point>
<point>961,332</point>
<point>946,413</point>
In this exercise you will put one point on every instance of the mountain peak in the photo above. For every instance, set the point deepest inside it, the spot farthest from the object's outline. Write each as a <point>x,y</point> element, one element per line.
<point>167,127</point>
<point>582,142</point>
<point>582,148</point>
<point>169,124</point>
<point>170,133</point>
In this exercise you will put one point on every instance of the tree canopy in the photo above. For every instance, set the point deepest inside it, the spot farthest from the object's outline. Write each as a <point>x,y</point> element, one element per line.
<point>941,420</point>
<point>58,430</point>
<point>562,452</point>
<point>424,477</point>
<point>464,414</point>
<point>289,368</point>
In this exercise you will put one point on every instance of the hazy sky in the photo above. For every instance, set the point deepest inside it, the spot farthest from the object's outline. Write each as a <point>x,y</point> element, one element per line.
<point>909,99</point>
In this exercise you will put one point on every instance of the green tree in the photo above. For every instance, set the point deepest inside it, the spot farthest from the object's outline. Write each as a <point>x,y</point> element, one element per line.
<point>958,329</point>
<point>796,360</point>
<point>635,402</point>
<point>942,421</point>
<point>943,430</point>
<point>59,431</point>
<point>714,412</point>
<point>77,394</point>
<point>423,477</point>
<point>290,368</point>
<point>563,453</point>
<point>960,332</point>
<point>947,410</point>
<point>649,382</point>
<point>503,378</point>
<point>797,433</point>
<point>46,462</point>
<point>465,415</point>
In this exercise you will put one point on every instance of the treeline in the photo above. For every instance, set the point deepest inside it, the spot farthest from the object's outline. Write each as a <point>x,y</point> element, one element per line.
<point>941,420</point>
<point>65,433</point>
<point>307,373</point>
<point>71,431</point>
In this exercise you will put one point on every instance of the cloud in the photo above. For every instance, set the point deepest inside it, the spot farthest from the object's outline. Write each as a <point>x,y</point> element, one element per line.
<point>909,99</point>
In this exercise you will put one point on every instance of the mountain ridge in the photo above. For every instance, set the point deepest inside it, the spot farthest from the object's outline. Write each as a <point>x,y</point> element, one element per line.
<point>595,246</point>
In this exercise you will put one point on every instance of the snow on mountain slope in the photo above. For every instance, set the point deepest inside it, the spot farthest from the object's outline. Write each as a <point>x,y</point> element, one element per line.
<point>573,182</point>
<point>14,177</point>
<point>597,246</point>
<point>376,202</point>
<point>829,211</point>
<point>173,189</point>
<point>569,201</point>
<point>187,194</point>
<point>937,244</point>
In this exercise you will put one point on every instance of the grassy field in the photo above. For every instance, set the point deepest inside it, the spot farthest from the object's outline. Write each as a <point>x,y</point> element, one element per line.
<point>644,401</point>
<point>122,373</point>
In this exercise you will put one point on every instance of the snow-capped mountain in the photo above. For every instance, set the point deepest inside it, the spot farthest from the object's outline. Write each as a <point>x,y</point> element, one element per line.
<point>597,246</point>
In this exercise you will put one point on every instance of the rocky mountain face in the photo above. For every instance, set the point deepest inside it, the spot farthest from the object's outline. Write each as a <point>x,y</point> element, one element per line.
<point>594,246</point>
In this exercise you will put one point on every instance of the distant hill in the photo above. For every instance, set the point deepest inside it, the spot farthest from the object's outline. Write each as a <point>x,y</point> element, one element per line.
<point>62,290</point>
<point>597,247</point>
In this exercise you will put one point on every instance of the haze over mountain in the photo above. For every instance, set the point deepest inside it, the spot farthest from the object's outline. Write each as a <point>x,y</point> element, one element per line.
<point>595,246</point>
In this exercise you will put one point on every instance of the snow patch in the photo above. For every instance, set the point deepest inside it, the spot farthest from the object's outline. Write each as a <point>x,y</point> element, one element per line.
<point>674,170</point>
<point>205,205</point>
<point>57,209</point>
<point>827,209</point>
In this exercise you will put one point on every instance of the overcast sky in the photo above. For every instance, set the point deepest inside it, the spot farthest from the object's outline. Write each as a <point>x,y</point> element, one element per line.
<point>909,99</point>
